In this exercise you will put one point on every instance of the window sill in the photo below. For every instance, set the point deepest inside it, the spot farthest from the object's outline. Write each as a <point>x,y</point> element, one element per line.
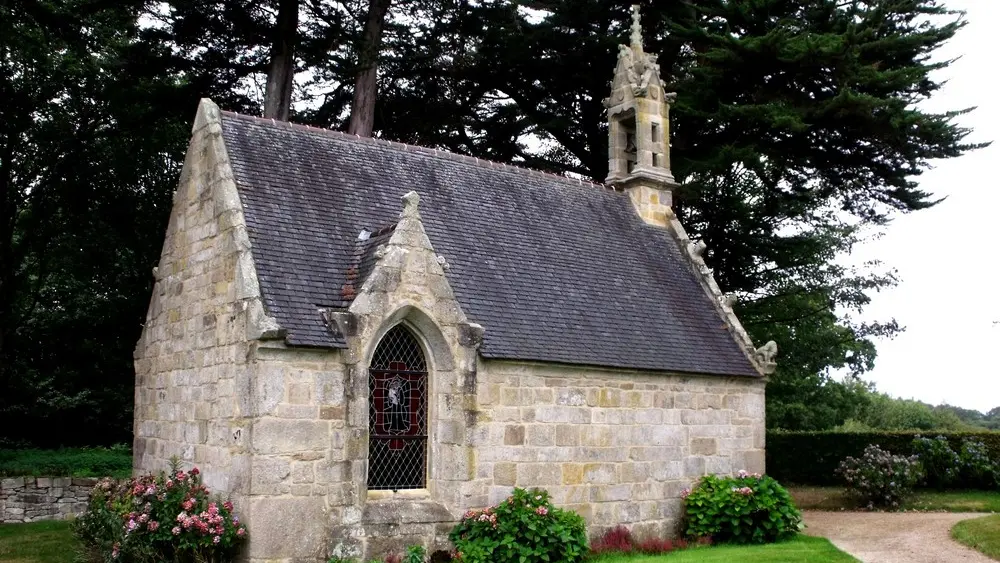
<point>404,494</point>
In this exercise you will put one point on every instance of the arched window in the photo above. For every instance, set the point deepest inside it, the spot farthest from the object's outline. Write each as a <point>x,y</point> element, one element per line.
<point>397,413</point>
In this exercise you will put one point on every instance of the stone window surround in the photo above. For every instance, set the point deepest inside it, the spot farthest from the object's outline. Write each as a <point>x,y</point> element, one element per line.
<point>443,351</point>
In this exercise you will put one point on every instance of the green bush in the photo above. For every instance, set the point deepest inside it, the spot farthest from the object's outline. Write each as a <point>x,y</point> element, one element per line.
<point>75,462</point>
<point>153,519</point>
<point>879,478</point>
<point>978,471</point>
<point>525,528</point>
<point>811,458</point>
<point>942,466</point>
<point>748,508</point>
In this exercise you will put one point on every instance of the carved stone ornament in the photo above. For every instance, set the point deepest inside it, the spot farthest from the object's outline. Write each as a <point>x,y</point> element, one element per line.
<point>765,356</point>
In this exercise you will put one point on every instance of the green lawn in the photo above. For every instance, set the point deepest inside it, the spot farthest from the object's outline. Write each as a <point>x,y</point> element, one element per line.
<point>52,542</point>
<point>802,549</point>
<point>38,542</point>
<point>833,498</point>
<point>68,462</point>
<point>981,534</point>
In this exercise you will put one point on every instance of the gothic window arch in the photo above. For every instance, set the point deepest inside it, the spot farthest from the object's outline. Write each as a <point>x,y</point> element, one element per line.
<point>397,413</point>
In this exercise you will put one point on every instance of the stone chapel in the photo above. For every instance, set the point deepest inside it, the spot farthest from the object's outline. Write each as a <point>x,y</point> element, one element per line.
<point>358,340</point>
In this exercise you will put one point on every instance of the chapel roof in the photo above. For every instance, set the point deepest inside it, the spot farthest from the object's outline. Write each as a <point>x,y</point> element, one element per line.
<point>554,269</point>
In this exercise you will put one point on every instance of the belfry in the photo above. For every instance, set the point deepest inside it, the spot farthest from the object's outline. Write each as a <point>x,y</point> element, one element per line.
<point>639,125</point>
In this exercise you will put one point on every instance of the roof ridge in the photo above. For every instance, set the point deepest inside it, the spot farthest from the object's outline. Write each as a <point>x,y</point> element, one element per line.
<point>439,153</point>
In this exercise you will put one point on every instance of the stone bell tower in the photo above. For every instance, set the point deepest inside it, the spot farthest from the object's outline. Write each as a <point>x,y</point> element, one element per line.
<point>639,119</point>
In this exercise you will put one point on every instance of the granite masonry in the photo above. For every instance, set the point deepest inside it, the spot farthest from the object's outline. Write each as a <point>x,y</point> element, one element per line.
<point>259,362</point>
<point>31,499</point>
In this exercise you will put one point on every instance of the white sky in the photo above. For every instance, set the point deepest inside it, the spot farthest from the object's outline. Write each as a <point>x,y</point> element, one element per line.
<point>948,257</point>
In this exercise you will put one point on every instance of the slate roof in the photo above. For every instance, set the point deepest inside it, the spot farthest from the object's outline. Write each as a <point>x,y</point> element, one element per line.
<point>554,269</point>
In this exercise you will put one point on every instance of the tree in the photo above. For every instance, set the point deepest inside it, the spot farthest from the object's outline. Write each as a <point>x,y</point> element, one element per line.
<point>281,71</point>
<point>365,86</point>
<point>795,133</point>
<point>87,162</point>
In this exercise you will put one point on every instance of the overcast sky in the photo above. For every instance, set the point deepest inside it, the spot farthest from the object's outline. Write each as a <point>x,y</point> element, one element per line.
<point>949,256</point>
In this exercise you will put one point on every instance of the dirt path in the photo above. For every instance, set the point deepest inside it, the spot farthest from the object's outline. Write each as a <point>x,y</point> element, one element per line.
<point>911,537</point>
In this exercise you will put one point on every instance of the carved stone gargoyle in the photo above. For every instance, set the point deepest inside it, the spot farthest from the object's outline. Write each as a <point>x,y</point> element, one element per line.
<point>765,357</point>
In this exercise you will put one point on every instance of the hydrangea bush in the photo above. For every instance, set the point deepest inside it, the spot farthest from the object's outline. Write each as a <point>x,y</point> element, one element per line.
<point>166,517</point>
<point>941,465</point>
<point>879,478</point>
<point>977,470</point>
<point>747,508</point>
<point>525,527</point>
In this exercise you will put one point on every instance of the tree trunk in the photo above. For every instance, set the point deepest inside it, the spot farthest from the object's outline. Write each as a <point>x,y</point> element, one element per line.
<point>278,93</point>
<point>365,85</point>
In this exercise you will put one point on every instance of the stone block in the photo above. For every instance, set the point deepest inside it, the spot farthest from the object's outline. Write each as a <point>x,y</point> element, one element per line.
<point>567,435</point>
<point>703,446</point>
<point>541,435</point>
<point>599,473</point>
<point>513,436</point>
<point>572,473</point>
<point>287,527</point>
<point>276,436</point>
<point>538,475</point>
<point>505,474</point>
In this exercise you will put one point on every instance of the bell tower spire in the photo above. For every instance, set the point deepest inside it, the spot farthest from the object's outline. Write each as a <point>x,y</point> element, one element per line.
<point>639,126</point>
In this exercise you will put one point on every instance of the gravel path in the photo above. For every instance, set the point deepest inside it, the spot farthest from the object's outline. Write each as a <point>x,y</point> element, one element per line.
<point>911,537</point>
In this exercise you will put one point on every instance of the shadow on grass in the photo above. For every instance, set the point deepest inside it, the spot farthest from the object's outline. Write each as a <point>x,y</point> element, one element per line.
<point>801,549</point>
<point>834,498</point>
<point>37,542</point>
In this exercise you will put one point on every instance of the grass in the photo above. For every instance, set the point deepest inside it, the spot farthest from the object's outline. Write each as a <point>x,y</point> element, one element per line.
<point>69,462</point>
<point>53,542</point>
<point>37,542</point>
<point>981,534</point>
<point>833,498</point>
<point>802,549</point>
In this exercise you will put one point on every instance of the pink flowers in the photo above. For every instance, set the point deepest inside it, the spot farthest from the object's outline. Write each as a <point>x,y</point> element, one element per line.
<point>153,525</point>
<point>743,474</point>
<point>228,506</point>
<point>541,511</point>
<point>745,491</point>
<point>188,504</point>
<point>176,530</point>
<point>216,539</point>
<point>241,532</point>
<point>685,493</point>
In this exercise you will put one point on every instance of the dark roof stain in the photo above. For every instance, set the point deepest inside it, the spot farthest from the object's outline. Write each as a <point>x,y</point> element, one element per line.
<point>554,269</point>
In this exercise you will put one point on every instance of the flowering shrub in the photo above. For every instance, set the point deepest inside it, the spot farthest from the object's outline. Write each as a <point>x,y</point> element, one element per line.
<point>880,479</point>
<point>748,508</point>
<point>158,518</point>
<point>976,468</point>
<point>525,528</point>
<point>940,463</point>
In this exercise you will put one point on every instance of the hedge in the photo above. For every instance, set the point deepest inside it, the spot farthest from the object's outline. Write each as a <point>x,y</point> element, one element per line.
<point>69,462</point>
<point>810,458</point>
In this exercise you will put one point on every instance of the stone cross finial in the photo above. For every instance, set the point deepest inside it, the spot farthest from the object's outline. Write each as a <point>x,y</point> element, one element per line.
<point>411,204</point>
<point>636,27</point>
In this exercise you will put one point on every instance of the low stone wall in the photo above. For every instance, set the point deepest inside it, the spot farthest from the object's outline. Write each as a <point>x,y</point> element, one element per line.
<point>30,499</point>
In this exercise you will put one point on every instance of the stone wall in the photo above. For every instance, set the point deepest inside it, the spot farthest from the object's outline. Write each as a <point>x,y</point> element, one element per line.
<point>616,446</point>
<point>192,393</point>
<point>30,499</point>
